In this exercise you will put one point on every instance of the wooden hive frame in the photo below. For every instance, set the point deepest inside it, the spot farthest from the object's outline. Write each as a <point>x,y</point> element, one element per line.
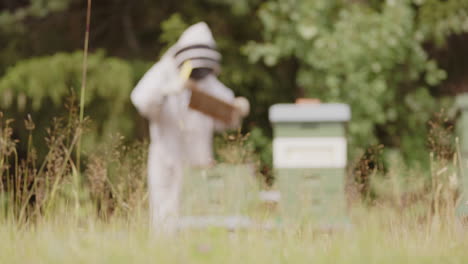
<point>210,105</point>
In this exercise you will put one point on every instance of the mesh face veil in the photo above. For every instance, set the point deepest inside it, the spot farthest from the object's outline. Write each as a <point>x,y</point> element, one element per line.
<point>197,45</point>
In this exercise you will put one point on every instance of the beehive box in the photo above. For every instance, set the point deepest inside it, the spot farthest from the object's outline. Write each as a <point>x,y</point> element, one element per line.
<point>309,157</point>
<point>224,190</point>
<point>462,133</point>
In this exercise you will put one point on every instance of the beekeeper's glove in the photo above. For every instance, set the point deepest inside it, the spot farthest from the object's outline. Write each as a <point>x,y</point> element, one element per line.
<point>242,105</point>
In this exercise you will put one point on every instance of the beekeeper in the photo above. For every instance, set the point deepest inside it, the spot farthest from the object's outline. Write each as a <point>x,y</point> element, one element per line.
<point>180,136</point>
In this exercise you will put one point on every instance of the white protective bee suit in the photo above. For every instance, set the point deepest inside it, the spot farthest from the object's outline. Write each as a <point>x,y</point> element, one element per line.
<point>179,136</point>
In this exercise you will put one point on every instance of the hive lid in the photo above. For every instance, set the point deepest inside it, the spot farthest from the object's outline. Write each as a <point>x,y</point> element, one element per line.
<point>309,113</point>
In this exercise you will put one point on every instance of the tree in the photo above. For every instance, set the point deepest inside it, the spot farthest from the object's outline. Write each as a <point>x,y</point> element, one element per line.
<point>371,56</point>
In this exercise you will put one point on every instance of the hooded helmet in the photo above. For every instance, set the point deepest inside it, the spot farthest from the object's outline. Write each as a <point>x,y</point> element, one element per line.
<point>198,45</point>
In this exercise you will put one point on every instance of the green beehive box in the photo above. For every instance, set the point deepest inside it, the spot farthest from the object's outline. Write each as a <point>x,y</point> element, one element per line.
<point>309,157</point>
<point>462,133</point>
<point>224,190</point>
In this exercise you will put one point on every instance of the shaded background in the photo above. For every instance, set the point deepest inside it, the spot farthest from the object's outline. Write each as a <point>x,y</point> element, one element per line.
<point>395,62</point>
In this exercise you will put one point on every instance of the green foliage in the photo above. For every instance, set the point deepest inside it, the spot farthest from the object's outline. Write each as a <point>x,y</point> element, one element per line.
<point>11,21</point>
<point>40,86</point>
<point>53,77</point>
<point>370,58</point>
<point>262,146</point>
<point>238,7</point>
<point>441,19</point>
<point>15,36</point>
<point>172,29</point>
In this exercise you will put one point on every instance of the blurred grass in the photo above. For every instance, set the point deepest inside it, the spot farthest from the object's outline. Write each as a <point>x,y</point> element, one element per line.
<point>372,240</point>
<point>52,213</point>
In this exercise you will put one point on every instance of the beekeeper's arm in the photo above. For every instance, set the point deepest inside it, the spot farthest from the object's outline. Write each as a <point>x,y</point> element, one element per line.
<point>161,80</point>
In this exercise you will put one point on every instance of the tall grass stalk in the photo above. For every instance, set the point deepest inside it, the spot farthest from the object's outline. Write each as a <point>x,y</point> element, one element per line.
<point>83,79</point>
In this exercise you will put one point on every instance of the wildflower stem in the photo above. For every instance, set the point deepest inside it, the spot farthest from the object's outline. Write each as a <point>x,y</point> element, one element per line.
<point>83,80</point>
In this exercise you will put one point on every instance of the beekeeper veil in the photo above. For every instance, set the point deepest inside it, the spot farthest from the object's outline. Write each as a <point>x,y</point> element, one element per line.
<point>198,46</point>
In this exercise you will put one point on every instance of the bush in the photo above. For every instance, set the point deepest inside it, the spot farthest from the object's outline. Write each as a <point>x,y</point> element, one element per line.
<point>40,86</point>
